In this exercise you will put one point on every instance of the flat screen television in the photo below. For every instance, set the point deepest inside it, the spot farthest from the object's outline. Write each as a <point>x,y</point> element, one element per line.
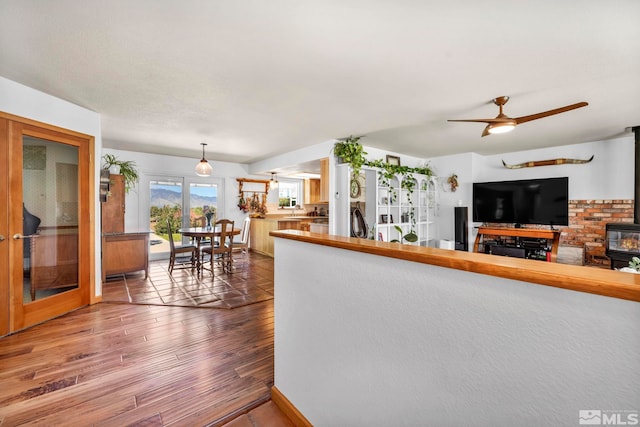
<point>529,201</point>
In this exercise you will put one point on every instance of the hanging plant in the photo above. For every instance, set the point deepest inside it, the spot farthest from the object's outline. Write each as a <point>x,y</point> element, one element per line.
<point>351,151</point>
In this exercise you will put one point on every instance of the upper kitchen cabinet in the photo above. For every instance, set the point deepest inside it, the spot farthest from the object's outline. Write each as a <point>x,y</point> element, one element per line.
<point>324,180</point>
<point>317,190</point>
<point>312,191</point>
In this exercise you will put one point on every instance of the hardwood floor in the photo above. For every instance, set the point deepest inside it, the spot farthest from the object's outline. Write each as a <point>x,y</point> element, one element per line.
<point>116,364</point>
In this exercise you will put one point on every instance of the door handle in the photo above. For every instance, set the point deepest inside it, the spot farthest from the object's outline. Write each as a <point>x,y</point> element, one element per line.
<point>1,237</point>
<point>19,236</point>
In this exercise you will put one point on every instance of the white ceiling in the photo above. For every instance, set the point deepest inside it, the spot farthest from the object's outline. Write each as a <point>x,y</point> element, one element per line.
<point>256,78</point>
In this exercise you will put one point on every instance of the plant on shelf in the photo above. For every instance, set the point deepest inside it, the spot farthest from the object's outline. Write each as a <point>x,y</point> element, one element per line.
<point>351,151</point>
<point>125,168</point>
<point>410,237</point>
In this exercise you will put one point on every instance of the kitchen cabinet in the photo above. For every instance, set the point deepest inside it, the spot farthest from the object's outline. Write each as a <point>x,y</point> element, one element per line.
<point>312,191</point>
<point>316,191</point>
<point>324,180</point>
<point>260,241</point>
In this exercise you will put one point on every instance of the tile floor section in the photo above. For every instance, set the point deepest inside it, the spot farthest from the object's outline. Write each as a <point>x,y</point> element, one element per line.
<point>251,281</point>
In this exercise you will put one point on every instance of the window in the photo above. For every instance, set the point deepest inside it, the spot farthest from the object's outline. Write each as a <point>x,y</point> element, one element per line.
<point>180,201</point>
<point>289,194</point>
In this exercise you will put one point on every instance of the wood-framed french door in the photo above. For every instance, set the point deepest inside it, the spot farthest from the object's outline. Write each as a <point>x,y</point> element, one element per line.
<point>48,247</point>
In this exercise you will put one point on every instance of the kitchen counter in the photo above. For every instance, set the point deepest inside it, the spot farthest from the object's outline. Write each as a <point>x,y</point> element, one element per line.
<point>259,238</point>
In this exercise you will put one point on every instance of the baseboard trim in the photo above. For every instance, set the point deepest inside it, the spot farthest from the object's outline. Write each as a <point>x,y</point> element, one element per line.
<point>288,409</point>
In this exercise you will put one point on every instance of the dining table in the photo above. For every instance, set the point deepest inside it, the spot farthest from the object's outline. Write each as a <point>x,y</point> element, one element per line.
<point>200,233</point>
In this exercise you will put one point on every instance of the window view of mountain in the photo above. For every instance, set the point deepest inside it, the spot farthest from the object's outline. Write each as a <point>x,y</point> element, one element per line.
<point>162,197</point>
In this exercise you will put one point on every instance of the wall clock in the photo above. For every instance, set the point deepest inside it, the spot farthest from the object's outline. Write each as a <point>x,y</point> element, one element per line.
<point>355,188</point>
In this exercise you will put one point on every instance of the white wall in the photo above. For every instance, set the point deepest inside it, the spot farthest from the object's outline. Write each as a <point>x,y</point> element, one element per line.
<point>25,102</point>
<point>292,158</point>
<point>609,176</point>
<point>393,342</point>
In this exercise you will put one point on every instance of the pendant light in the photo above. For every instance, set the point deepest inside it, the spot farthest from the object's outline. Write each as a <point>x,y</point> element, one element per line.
<point>203,168</point>
<point>274,181</point>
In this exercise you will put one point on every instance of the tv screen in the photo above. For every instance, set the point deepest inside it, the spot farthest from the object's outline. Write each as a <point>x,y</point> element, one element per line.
<point>530,201</point>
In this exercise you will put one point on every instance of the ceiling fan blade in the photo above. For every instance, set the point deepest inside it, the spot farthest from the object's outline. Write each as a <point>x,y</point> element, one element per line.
<point>525,119</point>
<point>476,120</point>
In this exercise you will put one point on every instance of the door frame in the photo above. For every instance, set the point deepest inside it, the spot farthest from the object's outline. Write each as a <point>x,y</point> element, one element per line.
<point>5,317</point>
<point>23,315</point>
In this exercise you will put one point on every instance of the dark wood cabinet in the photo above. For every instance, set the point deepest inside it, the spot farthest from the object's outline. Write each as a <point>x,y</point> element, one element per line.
<point>113,208</point>
<point>125,253</point>
<point>121,252</point>
<point>522,235</point>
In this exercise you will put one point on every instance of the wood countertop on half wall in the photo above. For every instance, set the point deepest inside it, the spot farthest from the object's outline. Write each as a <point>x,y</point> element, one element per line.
<point>578,278</point>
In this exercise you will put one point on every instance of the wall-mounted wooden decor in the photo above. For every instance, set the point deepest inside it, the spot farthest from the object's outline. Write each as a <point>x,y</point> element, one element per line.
<point>253,201</point>
<point>548,163</point>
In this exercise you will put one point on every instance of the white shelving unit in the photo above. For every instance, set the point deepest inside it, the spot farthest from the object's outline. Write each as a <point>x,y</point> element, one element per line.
<point>413,210</point>
<point>409,210</point>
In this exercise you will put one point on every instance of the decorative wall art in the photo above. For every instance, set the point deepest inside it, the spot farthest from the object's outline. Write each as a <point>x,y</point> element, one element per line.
<point>548,163</point>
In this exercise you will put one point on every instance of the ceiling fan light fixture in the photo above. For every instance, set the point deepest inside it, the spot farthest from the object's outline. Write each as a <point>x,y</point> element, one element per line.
<point>203,168</point>
<point>274,181</point>
<point>500,127</point>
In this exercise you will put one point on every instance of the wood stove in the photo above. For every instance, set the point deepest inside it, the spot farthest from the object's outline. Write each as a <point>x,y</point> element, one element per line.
<point>623,243</point>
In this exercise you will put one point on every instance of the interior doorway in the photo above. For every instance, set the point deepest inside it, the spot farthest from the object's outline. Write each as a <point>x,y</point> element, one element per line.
<point>46,245</point>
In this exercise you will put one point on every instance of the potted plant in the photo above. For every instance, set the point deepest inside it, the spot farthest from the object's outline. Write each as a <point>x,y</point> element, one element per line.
<point>120,167</point>
<point>351,151</point>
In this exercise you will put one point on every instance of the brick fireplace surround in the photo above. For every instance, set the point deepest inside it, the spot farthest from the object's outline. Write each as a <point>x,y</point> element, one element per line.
<point>587,220</point>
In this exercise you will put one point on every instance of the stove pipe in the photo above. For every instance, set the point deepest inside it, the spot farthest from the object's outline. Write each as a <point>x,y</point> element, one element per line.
<point>636,187</point>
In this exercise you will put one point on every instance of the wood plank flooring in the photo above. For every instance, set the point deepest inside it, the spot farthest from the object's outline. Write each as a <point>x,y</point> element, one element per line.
<point>115,364</point>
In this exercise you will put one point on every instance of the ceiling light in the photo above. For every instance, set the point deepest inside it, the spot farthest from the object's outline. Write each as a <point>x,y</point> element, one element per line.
<point>504,127</point>
<point>274,181</point>
<point>203,168</point>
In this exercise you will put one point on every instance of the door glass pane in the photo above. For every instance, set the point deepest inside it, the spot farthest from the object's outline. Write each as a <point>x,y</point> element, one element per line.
<point>203,200</point>
<point>165,205</point>
<point>49,218</point>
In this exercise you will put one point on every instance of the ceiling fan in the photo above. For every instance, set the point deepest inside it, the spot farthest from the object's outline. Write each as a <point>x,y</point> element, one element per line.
<point>503,123</point>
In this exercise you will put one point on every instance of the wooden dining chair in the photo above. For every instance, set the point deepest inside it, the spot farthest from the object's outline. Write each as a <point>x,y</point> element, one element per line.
<point>220,252</point>
<point>201,221</point>
<point>242,246</point>
<point>180,250</point>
